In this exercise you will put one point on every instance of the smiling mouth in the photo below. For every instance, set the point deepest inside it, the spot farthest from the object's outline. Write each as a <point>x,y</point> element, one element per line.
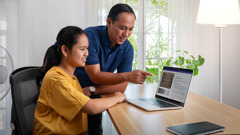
<point>84,60</point>
<point>122,39</point>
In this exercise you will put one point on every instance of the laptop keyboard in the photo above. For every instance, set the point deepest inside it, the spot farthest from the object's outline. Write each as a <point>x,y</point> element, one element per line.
<point>156,102</point>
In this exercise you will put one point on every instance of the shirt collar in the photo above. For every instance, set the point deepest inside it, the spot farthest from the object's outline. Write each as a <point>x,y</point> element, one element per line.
<point>65,74</point>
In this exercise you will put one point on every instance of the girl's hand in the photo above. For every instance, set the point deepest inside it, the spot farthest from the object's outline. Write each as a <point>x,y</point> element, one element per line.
<point>120,95</point>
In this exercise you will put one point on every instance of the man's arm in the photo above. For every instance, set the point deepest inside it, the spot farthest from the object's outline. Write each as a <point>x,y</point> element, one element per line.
<point>107,89</point>
<point>99,77</point>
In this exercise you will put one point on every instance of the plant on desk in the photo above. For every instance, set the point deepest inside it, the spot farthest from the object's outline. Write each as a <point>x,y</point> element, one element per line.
<point>184,60</point>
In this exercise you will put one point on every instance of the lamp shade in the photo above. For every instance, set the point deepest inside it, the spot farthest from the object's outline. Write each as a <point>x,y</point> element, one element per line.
<point>218,12</point>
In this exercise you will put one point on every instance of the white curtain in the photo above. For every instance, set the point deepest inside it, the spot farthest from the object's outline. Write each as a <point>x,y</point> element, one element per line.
<point>203,40</point>
<point>39,23</point>
<point>198,40</point>
<point>8,40</point>
<point>9,27</point>
<point>32,26</point>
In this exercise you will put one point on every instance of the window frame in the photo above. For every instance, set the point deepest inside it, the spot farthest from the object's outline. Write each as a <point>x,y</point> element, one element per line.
<point>142,32</point>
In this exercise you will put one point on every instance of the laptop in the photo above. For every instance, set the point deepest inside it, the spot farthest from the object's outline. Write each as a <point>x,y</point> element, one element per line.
<point>171,91</point>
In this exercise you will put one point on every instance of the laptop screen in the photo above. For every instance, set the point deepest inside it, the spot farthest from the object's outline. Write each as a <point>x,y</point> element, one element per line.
<point>174,83</point>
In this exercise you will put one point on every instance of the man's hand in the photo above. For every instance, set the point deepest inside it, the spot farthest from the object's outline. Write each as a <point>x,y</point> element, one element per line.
<point>86,91</point>
<point>138,76</point>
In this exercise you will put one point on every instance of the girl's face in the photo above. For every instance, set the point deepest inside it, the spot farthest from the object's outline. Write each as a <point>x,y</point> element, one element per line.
<point>79,52</point>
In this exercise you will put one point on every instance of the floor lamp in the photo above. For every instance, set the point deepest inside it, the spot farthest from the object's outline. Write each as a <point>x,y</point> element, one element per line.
<point>219,13</point>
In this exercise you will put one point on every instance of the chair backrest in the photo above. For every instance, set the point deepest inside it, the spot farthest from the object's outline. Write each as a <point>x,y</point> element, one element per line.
<point>25,87</point>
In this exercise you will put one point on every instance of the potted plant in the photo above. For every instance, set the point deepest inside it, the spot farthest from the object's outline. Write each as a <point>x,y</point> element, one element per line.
<point>184,60</point>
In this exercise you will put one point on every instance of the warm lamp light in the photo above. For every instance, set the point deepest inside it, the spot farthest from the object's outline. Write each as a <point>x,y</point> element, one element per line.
<point>219,13</point>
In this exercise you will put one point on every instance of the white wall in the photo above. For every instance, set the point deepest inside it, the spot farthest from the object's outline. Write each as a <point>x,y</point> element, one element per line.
<point>231,66</point>
<point>205,41</point>
<point>39,23</point>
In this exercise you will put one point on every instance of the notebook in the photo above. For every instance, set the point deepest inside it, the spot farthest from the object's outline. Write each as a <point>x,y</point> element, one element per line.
<point>171,91</point>
<point>199,128</point>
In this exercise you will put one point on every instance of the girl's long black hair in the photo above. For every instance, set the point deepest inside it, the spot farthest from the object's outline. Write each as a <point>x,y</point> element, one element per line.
<point>67,36</point>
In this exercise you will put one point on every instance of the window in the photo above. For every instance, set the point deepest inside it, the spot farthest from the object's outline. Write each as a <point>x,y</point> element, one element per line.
<point>154,35</point>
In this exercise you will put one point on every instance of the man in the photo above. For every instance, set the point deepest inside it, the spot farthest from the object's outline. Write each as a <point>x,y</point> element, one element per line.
<point>109,50</point>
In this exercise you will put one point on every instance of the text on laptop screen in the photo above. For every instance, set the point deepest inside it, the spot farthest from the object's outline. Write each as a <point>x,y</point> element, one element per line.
<point>174,83</point>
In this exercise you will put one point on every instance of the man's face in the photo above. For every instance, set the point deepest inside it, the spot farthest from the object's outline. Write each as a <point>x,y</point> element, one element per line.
<point>121,29</point>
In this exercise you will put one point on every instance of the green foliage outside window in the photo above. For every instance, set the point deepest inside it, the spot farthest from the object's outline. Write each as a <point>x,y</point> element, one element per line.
<point>159,45</point>
<point>133,41</point>
<point>159,41</point>
<point>186,61</point>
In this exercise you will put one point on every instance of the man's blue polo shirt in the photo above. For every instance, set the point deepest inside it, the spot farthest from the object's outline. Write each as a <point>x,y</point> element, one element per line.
<point>101,52</point>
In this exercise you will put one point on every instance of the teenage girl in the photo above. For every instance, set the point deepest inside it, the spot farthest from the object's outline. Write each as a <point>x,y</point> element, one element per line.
<point>62,105</point>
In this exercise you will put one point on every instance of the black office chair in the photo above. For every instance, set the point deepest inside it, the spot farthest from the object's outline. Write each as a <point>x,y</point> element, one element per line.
<point>25,86</point>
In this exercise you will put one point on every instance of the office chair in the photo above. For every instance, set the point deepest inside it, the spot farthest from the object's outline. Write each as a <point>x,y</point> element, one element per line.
<point>25,87</point>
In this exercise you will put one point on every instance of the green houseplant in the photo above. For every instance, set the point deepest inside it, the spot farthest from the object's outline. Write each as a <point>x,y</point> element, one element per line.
<point>184,60</point>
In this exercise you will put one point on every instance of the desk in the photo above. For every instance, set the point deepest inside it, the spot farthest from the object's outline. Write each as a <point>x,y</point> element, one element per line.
<point>130,120</point>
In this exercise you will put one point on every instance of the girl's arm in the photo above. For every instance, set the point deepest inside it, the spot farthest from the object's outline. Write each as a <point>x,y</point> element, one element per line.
<point>95,106</point>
